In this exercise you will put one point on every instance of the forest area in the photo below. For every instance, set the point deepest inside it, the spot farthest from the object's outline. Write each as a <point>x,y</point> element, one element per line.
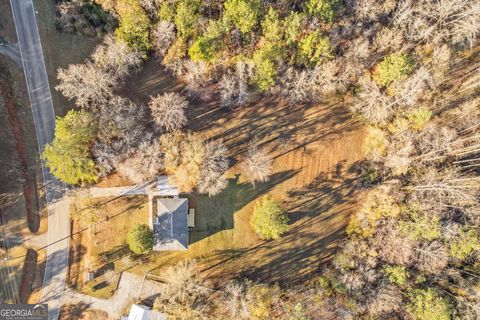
<point>408,70</point>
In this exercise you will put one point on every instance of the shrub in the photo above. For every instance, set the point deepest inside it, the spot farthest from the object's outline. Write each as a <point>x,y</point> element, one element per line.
<point>315,48</point>
<point>201,50</point>
<point>140,239</point>
<point>375,143</point>
<point>421,226</point>
<point>419,117</point>
<point>394,67</point>
<point>323,9</point>
<point>134,25</point>
<point>244,14</point>
<point>271,28</point>
<point>396,274</point>
<point>268,219</point>
<point>261,299</point>
<point>84,17</point>
<point>376,206</point>
<point>186,17</point>
<point>68,156</point>
<point>265,68</point>
<point>463,246</point>
<point>427,305</point>
<point>293,27</point>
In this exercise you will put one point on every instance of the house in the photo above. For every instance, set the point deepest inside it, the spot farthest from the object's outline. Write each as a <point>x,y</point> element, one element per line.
<point>140,312</point>
<point>168,215</point>
<point>170,223</point>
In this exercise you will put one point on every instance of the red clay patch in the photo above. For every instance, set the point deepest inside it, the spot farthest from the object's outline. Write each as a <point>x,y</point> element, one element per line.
<point>29,186</point>
<point>28,277</point>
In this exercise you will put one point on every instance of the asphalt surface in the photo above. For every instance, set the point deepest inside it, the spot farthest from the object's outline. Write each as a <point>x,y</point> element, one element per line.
<point>44,118</point>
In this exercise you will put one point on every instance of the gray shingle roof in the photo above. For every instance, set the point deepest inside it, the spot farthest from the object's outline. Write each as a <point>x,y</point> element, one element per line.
<point>170,229</point>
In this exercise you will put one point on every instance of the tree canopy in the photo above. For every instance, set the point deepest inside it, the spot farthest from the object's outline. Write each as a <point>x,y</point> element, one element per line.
<point>140,239</point>
<point>243,14</point>
<point>268,220</point>
<point>68,156</point>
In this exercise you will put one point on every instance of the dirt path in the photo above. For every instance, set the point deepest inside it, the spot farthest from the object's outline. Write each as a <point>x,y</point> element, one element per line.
<point>129,288</point>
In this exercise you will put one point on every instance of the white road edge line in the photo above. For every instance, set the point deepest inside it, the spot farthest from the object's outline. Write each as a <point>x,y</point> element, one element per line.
<point>35,124</point>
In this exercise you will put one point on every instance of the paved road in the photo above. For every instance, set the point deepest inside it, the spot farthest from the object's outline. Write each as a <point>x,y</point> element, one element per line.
<point>44,119</point>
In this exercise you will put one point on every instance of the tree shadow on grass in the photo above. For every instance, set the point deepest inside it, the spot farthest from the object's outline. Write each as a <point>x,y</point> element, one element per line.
<point>319,213</point>
<point>73,311</point>
<point>214,214</point>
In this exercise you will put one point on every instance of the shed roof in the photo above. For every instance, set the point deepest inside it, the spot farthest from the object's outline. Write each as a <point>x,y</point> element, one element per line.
<point>140,312</point>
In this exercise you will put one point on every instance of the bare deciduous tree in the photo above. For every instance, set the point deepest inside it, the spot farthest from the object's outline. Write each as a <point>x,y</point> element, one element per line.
<point>86,83</point>
<point>214,166</point>
<point>372,103</point>
<point>185,294</point>
<point>408,92</point>
<point>257,164</point>
<point>184,156</point>
<point>454,20</point>
<point>392,247</point>
<point>196,74</point>
<point>234,86</point>
<point>431,257</point>
<point>389,40</point>
<point>235,300</point>
<point>168,110</point>
<point>144,164</point>
<point>449,186</point>
<point>373,9</point>
<point>163,36</point>
<point>386,300</point>
<point>313,84</point>
<point>106,157</point>
<point>440,62</point>
<point>121,127</point>
<point>116,57</point>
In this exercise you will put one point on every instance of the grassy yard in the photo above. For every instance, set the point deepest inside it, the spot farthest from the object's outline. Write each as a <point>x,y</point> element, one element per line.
<point>60,49</point>
<point>317,193</point>
<point>101,249</point>
<point>317,152</point>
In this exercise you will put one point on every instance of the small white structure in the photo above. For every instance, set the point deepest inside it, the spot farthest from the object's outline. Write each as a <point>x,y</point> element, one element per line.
<point>191,218</point>
<point>139,312</point>
<point>165,189</point>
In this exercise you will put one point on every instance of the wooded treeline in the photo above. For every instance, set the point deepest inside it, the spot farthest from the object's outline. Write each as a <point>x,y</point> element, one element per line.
<point>408,69</point>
